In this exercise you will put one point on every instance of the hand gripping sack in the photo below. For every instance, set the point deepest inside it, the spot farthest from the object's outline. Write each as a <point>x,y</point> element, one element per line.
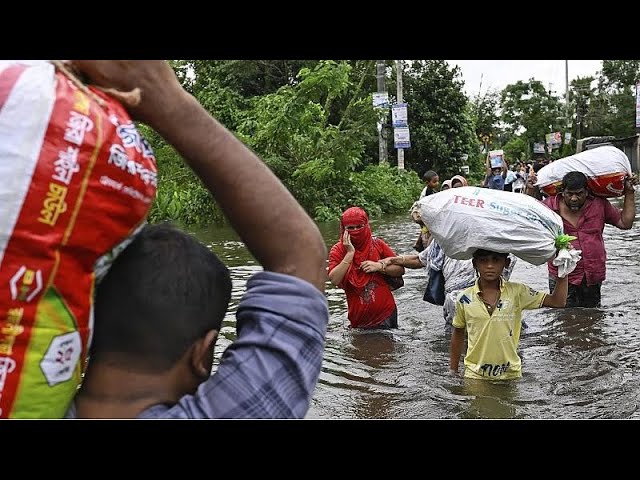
<point>605,167</point>
<point>467,218</point>
<point>78,181</point>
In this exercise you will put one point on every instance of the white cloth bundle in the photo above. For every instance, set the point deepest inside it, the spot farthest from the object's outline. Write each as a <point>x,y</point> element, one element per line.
<point>566,261</point>
<point>467,218</point>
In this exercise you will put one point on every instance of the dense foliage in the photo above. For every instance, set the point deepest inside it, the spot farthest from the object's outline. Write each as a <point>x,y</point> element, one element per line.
<point>313,123</point>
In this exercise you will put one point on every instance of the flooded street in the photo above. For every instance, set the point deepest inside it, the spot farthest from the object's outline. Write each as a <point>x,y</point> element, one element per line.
<point>577,363</point>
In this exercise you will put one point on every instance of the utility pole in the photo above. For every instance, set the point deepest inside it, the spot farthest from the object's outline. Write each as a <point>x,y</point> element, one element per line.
<point>566,100</point>
<point>566,90</point>
<point>400,100</point>
<point>566,79</point>
<point>382,138</point>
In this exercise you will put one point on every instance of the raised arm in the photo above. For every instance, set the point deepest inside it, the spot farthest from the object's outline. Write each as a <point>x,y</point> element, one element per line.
<point>337,273</point>
<point>629,205</point>
<point>269,220</point>
<point>558,298</point>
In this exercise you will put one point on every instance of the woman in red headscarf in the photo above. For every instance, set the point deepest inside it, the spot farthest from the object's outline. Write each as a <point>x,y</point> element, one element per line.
<point>354,266</point>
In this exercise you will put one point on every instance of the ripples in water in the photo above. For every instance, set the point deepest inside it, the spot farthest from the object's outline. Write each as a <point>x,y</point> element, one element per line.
<point>577,363</point>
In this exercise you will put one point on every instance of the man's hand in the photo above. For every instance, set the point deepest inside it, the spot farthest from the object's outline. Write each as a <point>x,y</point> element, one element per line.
<point>630,183</point>
<point>158,84</point>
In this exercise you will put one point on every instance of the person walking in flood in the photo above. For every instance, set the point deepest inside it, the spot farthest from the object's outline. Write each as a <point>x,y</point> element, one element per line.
<point>457,274</point>
<point>354,266</point>
<point>584,216</point>
<point>490,312</point>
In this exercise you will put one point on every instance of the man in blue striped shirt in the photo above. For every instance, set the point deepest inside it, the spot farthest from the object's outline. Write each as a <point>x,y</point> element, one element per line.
<point>159,309</point>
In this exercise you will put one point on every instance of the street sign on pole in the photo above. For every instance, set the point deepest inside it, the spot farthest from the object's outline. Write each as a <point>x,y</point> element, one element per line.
<point>399,115</point>
<point>401,137</point>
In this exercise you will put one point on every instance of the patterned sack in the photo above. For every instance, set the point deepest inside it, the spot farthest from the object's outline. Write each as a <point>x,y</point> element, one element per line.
<point>78,181</point>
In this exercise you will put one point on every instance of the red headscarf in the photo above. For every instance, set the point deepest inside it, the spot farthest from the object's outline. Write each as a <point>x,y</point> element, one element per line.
<point>362,242</point>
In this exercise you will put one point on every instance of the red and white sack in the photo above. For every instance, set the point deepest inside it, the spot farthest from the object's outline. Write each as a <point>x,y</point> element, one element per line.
<point>605,167</point>
<point>77,182</point>
<point>465,219</point>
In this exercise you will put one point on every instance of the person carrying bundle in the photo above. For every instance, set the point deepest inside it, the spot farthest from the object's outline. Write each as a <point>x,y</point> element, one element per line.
<point>584,216</point>
<point>490,312</point>
<point>486,225</point>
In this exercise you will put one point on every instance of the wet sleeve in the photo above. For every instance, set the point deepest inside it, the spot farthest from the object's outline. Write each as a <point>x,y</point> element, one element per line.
<point>612,215</point>
<point>530,299</point>
<point>423,256</point>
<point>335,257</point>
<point>271,369</point>
<point>460,321</point>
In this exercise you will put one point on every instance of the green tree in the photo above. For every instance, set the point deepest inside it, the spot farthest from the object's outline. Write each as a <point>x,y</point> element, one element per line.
<point>440,118</point>
<point>485,113</point>
<point>530,111</point>
<point>516,149</point>
<point>613,110</point>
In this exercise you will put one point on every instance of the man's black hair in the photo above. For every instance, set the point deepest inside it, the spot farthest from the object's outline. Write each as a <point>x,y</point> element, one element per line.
<point>479,253</point>
<point>428,175</point>
<point>574,181</point>
<point>163,292</point>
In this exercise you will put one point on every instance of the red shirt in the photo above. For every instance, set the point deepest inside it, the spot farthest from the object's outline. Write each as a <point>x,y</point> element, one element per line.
<point>595,212</point>
<point>372,304</point>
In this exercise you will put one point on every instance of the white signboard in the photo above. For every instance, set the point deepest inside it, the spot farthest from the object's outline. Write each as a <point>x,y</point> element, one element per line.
<point>399,115</point>
<point>381,100</point>
<point>538,147</point>
<point>401,137</point>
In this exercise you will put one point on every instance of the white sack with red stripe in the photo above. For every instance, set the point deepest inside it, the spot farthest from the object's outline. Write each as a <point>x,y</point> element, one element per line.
<point>606,169</point>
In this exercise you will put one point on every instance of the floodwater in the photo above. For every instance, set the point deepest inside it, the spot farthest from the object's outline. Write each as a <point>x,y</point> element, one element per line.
<point>577,363</point>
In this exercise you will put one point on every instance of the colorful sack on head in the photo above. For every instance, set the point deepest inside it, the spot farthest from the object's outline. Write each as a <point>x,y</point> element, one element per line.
<point>605,167</point>
<point>78,181</point>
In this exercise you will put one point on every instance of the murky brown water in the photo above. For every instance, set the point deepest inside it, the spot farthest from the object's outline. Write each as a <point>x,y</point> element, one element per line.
<point>577,363</point>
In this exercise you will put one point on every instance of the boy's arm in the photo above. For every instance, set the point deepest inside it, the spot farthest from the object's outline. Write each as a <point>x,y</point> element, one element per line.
<point>457,342</point>
<point>558,299</point>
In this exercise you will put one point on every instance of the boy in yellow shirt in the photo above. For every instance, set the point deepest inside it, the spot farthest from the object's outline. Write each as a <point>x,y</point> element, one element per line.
<point>491,313</point>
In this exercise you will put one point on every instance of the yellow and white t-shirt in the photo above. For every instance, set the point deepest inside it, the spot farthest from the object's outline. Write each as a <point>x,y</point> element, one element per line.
<point>492,340</point>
